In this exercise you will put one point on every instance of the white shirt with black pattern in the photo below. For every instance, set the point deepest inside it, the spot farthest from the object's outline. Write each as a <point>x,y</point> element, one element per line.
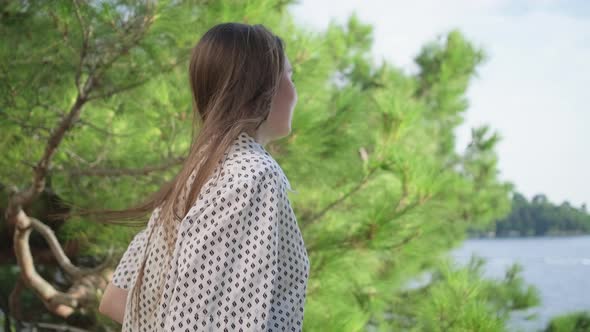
<point>239,262</point>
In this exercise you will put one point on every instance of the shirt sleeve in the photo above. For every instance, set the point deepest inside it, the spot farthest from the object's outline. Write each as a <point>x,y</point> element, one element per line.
<point>228,265</point>
<point>126,270</point>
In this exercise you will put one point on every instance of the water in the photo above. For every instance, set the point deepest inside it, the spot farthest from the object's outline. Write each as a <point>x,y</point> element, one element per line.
<point>559,267</point>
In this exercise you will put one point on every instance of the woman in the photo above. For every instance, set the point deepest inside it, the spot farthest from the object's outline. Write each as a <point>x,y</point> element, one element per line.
<point>222,250</point>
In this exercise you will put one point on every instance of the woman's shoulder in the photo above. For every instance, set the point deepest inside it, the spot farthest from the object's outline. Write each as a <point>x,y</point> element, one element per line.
<point>247,160</point>
<point>255,171</point>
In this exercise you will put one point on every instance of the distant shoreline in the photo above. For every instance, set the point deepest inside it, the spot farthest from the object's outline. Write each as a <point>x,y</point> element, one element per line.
<point>518,236</point>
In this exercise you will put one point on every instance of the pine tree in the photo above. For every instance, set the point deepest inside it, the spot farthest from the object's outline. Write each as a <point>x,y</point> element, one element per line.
<point>95,109</point>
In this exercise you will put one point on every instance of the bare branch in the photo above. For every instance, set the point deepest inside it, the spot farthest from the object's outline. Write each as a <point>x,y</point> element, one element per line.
<point>63,260</point>
<point>57,302</point>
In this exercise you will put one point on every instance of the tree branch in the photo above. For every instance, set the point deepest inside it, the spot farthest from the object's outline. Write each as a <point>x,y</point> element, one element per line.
<point>63,260</point>
<point>83,48</point>
<point>83,290</point>
<point>125,172</point>
<point>331,205</point>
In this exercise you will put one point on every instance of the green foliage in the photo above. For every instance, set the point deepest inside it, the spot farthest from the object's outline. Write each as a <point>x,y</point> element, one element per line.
<point>382,193</point>
<point>539,217</point>
<point>459,299</point>
<point>573,322</point>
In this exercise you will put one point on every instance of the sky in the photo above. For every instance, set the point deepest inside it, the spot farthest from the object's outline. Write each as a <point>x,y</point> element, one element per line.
<point>530,90</point>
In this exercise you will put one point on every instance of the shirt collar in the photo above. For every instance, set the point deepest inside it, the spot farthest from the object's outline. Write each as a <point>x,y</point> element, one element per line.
<point>244,137</point>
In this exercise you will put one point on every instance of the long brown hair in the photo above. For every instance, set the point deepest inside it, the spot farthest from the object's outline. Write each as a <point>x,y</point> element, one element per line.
<point>234,73</point>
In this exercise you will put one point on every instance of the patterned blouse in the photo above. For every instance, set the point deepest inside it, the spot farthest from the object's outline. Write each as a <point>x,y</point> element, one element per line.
<point>239,262</point>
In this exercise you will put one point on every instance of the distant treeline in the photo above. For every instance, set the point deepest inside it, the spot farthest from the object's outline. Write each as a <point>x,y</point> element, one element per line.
<point>538,217</point>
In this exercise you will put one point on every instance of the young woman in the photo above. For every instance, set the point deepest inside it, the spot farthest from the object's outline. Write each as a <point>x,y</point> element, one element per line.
<point>222,250</point>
